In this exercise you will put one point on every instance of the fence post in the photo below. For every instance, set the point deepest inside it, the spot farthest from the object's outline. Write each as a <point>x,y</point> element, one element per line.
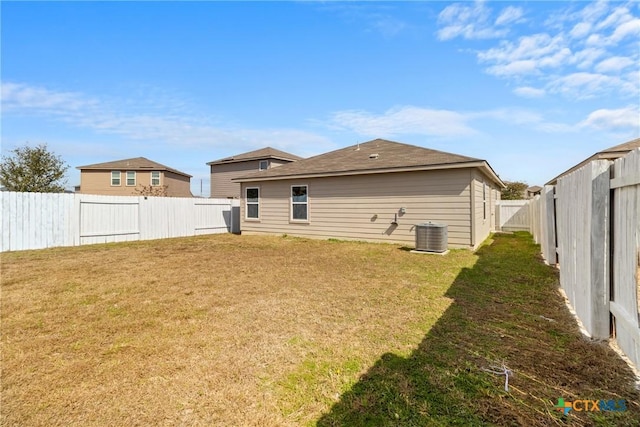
<point>548,231</point>
<point>600,245</point>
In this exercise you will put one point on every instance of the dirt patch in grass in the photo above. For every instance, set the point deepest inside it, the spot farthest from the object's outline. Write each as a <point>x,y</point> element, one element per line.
<point>251,330</point>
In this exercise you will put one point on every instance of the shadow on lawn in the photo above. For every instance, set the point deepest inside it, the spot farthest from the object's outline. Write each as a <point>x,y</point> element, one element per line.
<point>507,310</point>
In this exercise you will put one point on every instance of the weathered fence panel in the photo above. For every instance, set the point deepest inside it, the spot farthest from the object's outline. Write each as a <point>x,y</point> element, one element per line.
<point>583,244</point>
<point>625,294</point>
<point>43,220</point>
<point>513,215</point>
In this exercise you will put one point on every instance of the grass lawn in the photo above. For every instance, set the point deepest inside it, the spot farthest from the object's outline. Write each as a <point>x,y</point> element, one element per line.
<point>275,331</point>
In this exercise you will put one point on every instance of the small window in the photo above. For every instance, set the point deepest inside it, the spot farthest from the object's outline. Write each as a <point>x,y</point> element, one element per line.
<point>131,178</point>
<point>252,203</point>
<point>264,165</point>
<point>299,203</point>
<point>115,178</point>
<point>484,200</point>
<point>155,178</point>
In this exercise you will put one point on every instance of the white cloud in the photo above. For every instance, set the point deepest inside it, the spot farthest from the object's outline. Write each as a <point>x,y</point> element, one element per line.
<point>16,96</point>
<point>528,55</point>
<point>615,63</point>
<point>473,22</point>
<point>583,85</point>
<point>157,119</point>
<point>626,29</point>
<point>585,58</point>
<point>529,92</point>
<point>579,54</point>
<point>510,14</point>
<point>580,30</point>
<point>402,120</point>
<point>628,117</point>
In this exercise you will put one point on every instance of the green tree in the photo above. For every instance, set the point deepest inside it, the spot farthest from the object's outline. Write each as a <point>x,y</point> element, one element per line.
<point>33,169</point>
<point>514,190</point>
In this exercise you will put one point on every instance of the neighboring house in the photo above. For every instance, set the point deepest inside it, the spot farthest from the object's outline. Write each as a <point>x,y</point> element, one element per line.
<point>128,177</point>
<point>532,191</point>
<point>224,170</point>
<point>375,191</point>
<point>612,153</point>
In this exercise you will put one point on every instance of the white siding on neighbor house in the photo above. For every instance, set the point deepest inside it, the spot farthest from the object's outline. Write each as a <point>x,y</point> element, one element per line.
<point>363,206</point>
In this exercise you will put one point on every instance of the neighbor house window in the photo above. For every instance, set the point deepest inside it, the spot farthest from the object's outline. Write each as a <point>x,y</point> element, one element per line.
<point>264,164</point>
<point>252,203</point>
<point>155,178</point>
<point>115,178</point>
<point>131,178</point>
<point>299,202</point>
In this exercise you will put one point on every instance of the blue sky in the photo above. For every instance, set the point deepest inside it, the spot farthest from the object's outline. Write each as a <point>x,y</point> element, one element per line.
<point>532,87</point>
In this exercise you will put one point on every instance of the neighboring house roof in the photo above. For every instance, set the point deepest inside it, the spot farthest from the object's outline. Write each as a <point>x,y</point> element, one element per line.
<point>376,156</point>
<point>611,153</point>
<point>263,153</point>
<point>534,189</point>
<point>134,164</point>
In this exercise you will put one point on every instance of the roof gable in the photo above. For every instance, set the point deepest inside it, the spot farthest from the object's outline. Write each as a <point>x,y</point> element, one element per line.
<point>136,163</point>
<point>378,155</point>
<point>263,153</point>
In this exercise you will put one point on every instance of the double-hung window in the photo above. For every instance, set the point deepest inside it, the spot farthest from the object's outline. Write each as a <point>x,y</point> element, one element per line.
<point>115,178</point>
<point>299,203</point>
<point>264,165</point>
<point>252,203</point>
<point>155,178</point>
<point>131,178</point>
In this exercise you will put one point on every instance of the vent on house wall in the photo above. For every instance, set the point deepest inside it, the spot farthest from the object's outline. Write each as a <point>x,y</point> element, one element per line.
<point>431,237</point>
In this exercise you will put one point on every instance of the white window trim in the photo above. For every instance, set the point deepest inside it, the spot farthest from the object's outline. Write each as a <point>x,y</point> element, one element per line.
<point>260,165</point>
<point>291,219</point>
<point>126,182</point>
<point>247,203</point>
<point>119,179</point>
<point>159,179</point>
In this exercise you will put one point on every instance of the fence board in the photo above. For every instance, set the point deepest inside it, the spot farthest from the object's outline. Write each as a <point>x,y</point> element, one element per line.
<point>41,220</point>
<point>626,255</point>
<point>583,246</point>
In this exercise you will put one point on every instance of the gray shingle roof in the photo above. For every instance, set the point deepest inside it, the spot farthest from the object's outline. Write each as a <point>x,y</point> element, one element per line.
<point>263,153</point>
<point>378,155</point>
<point>133,164</point>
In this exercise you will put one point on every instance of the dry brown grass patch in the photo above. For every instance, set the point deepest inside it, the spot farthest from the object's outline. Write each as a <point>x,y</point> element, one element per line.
<point>223,330</point>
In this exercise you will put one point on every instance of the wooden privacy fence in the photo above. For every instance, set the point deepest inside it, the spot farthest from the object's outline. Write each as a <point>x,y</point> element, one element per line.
<point>44,220</point>
<point>513,215</point>
<point>594,216</point>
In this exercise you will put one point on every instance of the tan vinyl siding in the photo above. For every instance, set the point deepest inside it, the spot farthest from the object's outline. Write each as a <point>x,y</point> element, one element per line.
<point>222,185</point>
<point>99,182</point>
<point>177,185</point>
<point>482,226</point>
<point>362,207</point>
